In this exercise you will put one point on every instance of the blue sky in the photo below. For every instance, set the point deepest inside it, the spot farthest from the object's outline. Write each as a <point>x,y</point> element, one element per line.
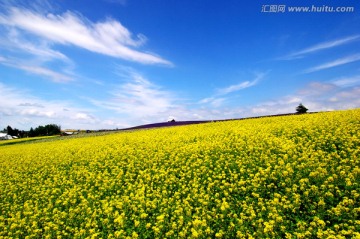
<point>105,64</point>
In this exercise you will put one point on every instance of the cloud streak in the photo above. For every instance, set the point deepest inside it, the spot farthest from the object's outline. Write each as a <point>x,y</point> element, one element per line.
<point>237,87</point>
<point>219,98</point>
<point>108,37</point>
<point>335,63</point>
<point>13,41</point>
<point>213,101</point>
<point>320,46</point>
<point>241,85</point>
<point>347,81</point>
<point>138,97</point>
<point>38,70</point>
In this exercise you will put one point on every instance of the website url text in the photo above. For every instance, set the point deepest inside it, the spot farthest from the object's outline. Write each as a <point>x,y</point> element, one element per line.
<point>313,8</point>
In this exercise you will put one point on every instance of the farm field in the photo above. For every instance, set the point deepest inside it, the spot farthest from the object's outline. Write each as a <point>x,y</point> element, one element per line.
<point>279,177</point>
<point>25,140</point>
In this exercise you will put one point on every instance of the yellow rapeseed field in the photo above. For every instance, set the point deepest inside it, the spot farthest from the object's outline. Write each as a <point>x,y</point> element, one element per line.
<point>277,177</point>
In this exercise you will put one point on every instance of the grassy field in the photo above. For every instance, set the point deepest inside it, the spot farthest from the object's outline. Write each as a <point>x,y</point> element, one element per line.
<point>280,177</point>
<point>26,140</point>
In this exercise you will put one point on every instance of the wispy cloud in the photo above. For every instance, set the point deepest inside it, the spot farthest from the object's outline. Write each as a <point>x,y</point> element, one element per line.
<point>241,85</point>
<point>34,56</point>
<point>347,81</point>
<point>319,47</point>
<point>137,97</point>
<point>213,101</point>
<point>22,109</point>
<point>337,62</point>
<point>42,51</point>
<point>316,89</point>
<point>38,70</point>
<point>330,97</point>
<point>218,99</point>
<point>55,76</point>
<point>108,37</point>
<point>316,96</point>
<point>13,41</point>
<point>31,105</point>
<point>237,87</point>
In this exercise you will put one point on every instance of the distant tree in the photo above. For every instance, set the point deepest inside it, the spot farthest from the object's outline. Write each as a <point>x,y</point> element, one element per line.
<point>9,130</point>
<point>40,131</point>
<point>12,131</point>
<point>52,129</point>
<point>22,134</point>
<point>300,109</point>
<point>49,129</point>
<point>31,132</point>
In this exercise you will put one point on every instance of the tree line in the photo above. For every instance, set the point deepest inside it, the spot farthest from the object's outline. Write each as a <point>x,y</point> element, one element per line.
<point>47,130</point>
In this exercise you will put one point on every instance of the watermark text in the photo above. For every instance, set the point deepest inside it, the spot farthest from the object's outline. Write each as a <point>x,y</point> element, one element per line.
<point>323,8</point>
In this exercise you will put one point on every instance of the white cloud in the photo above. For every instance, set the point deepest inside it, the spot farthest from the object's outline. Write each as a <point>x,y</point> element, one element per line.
<point>241,85</point>
<point>38,70</point>
<point>22,110</point>
<point>31,104</point>
<point>320,46</point>
<point>213,101</point>
<point>109,37</point>
<point>337,62</point>
<point>236,87</point>
<point>138,97</point>
<point>83,116</point>
<point>316,88</point>
<point>55,76</point>
<point>115,123</point>
<point>316,96</point>
<point>14,42</point>
<point>36,112</point>
<point>206,100</point>
<point>33,56</point>
<point>347,81</point>
<point>148,103</point>
<point>217,100</point>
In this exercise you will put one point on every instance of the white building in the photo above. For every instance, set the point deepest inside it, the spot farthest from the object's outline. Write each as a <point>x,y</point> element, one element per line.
<point>5,136</point>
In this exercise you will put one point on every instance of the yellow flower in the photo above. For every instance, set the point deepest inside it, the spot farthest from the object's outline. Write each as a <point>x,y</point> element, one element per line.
<point>194,233</point>
<point>252,175</point>
<point>134,235</point>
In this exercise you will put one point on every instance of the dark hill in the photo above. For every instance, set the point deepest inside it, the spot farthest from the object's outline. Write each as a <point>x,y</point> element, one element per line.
<point>178,123</point>
<point>167,124</point>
